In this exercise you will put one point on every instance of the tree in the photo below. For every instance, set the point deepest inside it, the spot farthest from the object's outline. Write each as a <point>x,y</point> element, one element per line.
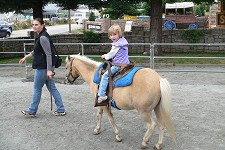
<point>19,6</point>
<point>117,11</point>
<point>36,5</point>
<point>144,8</point>
<point>68,4</point>
<point>156,23</point>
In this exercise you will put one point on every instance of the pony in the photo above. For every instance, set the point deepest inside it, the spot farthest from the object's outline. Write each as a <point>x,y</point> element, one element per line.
<point>148,92</point>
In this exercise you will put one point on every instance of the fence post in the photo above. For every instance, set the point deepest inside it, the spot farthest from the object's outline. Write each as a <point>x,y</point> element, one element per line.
<point>82,48</point>
<point>152,56</point>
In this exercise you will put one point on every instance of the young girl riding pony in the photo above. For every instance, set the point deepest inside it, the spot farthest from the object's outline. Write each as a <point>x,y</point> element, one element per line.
<point>118,54</point>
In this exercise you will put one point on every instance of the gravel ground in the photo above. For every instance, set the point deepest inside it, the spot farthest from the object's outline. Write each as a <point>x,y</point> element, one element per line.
<point>197,112</point>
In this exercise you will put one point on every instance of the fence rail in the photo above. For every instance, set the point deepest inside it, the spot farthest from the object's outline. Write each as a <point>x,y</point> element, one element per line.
<point>151,56</point>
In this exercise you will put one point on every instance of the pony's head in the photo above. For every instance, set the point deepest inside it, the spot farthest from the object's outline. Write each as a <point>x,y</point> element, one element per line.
<point>79,65</point>
<point>71,71</point>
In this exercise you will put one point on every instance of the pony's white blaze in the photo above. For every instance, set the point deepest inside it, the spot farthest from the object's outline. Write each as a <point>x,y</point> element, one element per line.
<point>147,92</point>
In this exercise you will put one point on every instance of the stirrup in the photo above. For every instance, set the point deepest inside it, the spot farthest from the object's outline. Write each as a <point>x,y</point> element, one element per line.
<point>103,103</point>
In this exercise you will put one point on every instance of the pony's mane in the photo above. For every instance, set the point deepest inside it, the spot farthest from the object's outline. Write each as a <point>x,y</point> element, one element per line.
<point>84,58</point>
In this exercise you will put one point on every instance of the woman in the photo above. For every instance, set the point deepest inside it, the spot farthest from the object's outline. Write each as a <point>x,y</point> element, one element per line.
<point>43,61</point>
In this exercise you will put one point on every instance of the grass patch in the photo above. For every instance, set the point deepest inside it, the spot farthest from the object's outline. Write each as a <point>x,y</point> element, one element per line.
<point>184,60</point>
<point>192,60</point>
<point>146,60</point>
<point>12,60</point>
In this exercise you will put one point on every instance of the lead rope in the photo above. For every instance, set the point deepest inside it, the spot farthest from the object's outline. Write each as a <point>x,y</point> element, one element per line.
<point>50,90</point>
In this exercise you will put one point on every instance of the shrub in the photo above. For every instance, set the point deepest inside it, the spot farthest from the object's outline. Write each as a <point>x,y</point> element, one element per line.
<point>91,37</point>
<point>92,17</point>
<point>193,36</point>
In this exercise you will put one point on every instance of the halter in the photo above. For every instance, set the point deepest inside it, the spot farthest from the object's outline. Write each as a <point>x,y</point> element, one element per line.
<point>70,74</point>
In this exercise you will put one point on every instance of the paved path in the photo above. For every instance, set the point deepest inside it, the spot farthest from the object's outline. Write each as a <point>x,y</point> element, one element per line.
<point>59,29</point>
<point>197,112</point>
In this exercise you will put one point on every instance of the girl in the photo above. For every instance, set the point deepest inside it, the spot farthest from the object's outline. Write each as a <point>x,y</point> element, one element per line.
<point>118,54</point>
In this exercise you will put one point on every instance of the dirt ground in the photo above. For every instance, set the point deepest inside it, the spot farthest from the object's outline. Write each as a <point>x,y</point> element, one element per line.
<point>197,112</point>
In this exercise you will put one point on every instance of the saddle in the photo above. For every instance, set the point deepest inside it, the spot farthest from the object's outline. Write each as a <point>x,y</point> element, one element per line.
<point>112,79</point>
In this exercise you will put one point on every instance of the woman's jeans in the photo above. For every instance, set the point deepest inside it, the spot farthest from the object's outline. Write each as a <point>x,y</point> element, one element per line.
<point>40,78</point>
<point>105,80</point>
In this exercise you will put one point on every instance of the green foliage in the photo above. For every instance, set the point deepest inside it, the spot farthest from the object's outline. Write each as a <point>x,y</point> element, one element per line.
<point>92,17</point>
<point>146,9</point>
<point>28,24</point>
<point>117,9</point>
<point>23,25</point>
<point>91,37</point>
<point>193,36</point>
<point>199,10</point>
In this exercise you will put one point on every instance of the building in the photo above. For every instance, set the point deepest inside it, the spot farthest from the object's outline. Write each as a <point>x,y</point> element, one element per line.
<point>83,13</point>
<point>11,16</point>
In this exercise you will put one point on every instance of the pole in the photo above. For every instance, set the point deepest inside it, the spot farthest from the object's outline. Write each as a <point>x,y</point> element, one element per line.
<point>50,90</point>
<point>69,21</point>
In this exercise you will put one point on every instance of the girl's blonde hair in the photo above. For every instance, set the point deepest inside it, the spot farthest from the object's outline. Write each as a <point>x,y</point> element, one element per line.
<point>114,29</point>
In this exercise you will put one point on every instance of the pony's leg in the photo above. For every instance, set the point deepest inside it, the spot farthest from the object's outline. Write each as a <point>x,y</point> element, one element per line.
<point>98,121</point>
<point>113,124</point>
<point>147,116</point>
<point>158,114</point>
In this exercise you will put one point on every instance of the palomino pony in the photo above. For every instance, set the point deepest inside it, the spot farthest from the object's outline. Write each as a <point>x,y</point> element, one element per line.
<point>147,92</point>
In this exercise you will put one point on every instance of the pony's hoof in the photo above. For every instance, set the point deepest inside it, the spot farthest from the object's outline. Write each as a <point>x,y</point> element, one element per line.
<point>118,138</point>
<point>144,145</point>
<point>96,132</point>
<point>158,147</point>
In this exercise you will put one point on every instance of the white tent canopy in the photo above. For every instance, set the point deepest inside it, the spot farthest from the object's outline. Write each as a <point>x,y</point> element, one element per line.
<point>179,5</point>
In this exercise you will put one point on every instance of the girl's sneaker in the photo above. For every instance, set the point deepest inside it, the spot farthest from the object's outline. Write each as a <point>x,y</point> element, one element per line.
<point>102,98</point>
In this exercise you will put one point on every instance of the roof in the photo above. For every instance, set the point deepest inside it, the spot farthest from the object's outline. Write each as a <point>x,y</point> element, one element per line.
<point>179,5</point>
<point>51,7</point>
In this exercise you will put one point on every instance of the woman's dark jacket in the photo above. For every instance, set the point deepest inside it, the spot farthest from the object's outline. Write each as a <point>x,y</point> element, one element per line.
<point>39,56</point>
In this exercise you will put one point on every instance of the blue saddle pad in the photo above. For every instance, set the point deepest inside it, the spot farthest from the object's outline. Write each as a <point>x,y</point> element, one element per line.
<point>124,81</point>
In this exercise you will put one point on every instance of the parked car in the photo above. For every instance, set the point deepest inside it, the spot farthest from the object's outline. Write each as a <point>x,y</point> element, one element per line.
<point>7,25</point>
<point>54,19</point>
<point>80,20</point>
<point>4,32</point>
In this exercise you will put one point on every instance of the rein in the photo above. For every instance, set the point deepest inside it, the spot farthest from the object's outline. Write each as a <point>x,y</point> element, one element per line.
<point>70,74</point>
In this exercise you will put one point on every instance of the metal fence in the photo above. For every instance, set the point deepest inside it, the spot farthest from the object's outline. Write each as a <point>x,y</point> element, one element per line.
<point>152,57</point>
<point>151,53</point>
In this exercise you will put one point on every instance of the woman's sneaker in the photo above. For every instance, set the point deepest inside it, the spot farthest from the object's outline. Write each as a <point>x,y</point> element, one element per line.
<point>27,114</point>
<point>59,113</point>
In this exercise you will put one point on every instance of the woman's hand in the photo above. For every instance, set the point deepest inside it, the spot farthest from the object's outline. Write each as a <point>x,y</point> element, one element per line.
<point>50,74</point>
<point>22,60</point>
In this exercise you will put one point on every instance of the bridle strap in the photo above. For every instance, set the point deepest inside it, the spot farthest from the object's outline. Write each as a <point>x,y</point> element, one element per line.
<point>70,73</point>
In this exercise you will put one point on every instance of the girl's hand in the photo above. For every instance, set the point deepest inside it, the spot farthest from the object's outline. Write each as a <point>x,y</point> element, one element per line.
<point>103,56</point>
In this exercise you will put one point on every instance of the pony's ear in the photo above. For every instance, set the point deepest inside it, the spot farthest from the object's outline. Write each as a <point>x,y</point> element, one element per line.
<point>78,54</point>
<point>69,57</point>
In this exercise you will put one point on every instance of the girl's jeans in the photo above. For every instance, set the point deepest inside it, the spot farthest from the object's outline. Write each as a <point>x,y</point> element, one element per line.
<point>40,78</point>
<point>105,80</point>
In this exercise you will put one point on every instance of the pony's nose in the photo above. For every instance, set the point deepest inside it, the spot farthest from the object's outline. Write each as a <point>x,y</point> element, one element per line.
<point>66,80</point>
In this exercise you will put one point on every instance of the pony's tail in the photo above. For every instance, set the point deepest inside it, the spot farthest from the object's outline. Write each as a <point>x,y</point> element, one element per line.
<point>165,106</point>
